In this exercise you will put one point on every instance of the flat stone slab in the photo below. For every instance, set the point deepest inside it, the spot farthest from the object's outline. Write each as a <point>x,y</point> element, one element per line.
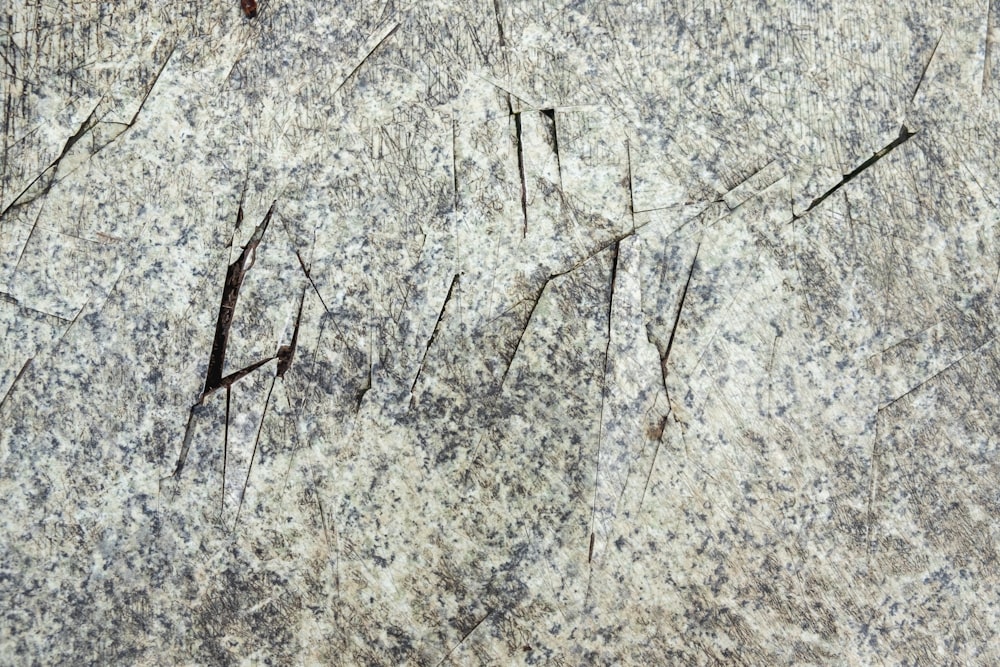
<point>499,333</point>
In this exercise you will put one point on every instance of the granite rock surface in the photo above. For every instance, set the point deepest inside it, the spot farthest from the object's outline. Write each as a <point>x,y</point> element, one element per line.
<point>457,333</point>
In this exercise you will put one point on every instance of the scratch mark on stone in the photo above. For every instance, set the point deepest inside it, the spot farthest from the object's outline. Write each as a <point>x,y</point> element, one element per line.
<point>905,340</point>
<point>364,389</point>
<point>876,454</point>
<point>286,353</point>
<point>527,322</point>
<point>225,450</point>
<point>213,377</point>
<point>464,638</point>
<point>520,166</point>
<point>230,293</point>
<point>253,454</point>
<point>71,324</point>
<point>186,444</point>
<point>371,363</point>
<point>496,11</point>
<point>550,114</point>
<point>613,242</point>
<point>604,394</point>
<point>239,209</point>
<point>335,545</point>
<point>298,255</point>
<point>454,164</point>
<point>872,482</point>
<point>309,277</point>
<point>85,127</point>
<point>322,518</point>
<point>156,77</point>
<point>236,376</point>
<point>493,276</point>
<point>663,368</point>
<point>336,539</point>
<point>24,246</point>
<point>504,89</point>
<point>8,115</point>
<point>939,373</point>
<point>285,356</point>
<point>430,341</point>
<point>372,50</point>
<point>631,197</point>
<point>904,135</point>
<point>14,383</point>
<point>652,464</point>
<point>927,65</point>
<point>48,174</point>
<point>13,300</point>
<point>198,407</point>
<point>677,319</point>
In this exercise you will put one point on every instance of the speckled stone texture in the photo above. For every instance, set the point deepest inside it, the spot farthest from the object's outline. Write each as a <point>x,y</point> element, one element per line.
<point>580,333</point>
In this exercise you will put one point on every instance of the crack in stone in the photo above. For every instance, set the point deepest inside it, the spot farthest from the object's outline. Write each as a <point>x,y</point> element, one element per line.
<point>904,136</point>
<point>430,341</point>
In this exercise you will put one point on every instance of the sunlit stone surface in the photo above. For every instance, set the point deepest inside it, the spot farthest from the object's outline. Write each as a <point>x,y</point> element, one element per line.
<point>586,333</point>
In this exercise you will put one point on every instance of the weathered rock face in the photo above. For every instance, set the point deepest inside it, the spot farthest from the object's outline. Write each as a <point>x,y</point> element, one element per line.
<point>492,333</point>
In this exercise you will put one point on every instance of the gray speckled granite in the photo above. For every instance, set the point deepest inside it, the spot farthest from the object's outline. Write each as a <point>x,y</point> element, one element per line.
<point>630,333</point>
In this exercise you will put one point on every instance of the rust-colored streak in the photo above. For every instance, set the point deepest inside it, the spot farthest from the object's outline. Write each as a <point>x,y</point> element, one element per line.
<point>249,8</point>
